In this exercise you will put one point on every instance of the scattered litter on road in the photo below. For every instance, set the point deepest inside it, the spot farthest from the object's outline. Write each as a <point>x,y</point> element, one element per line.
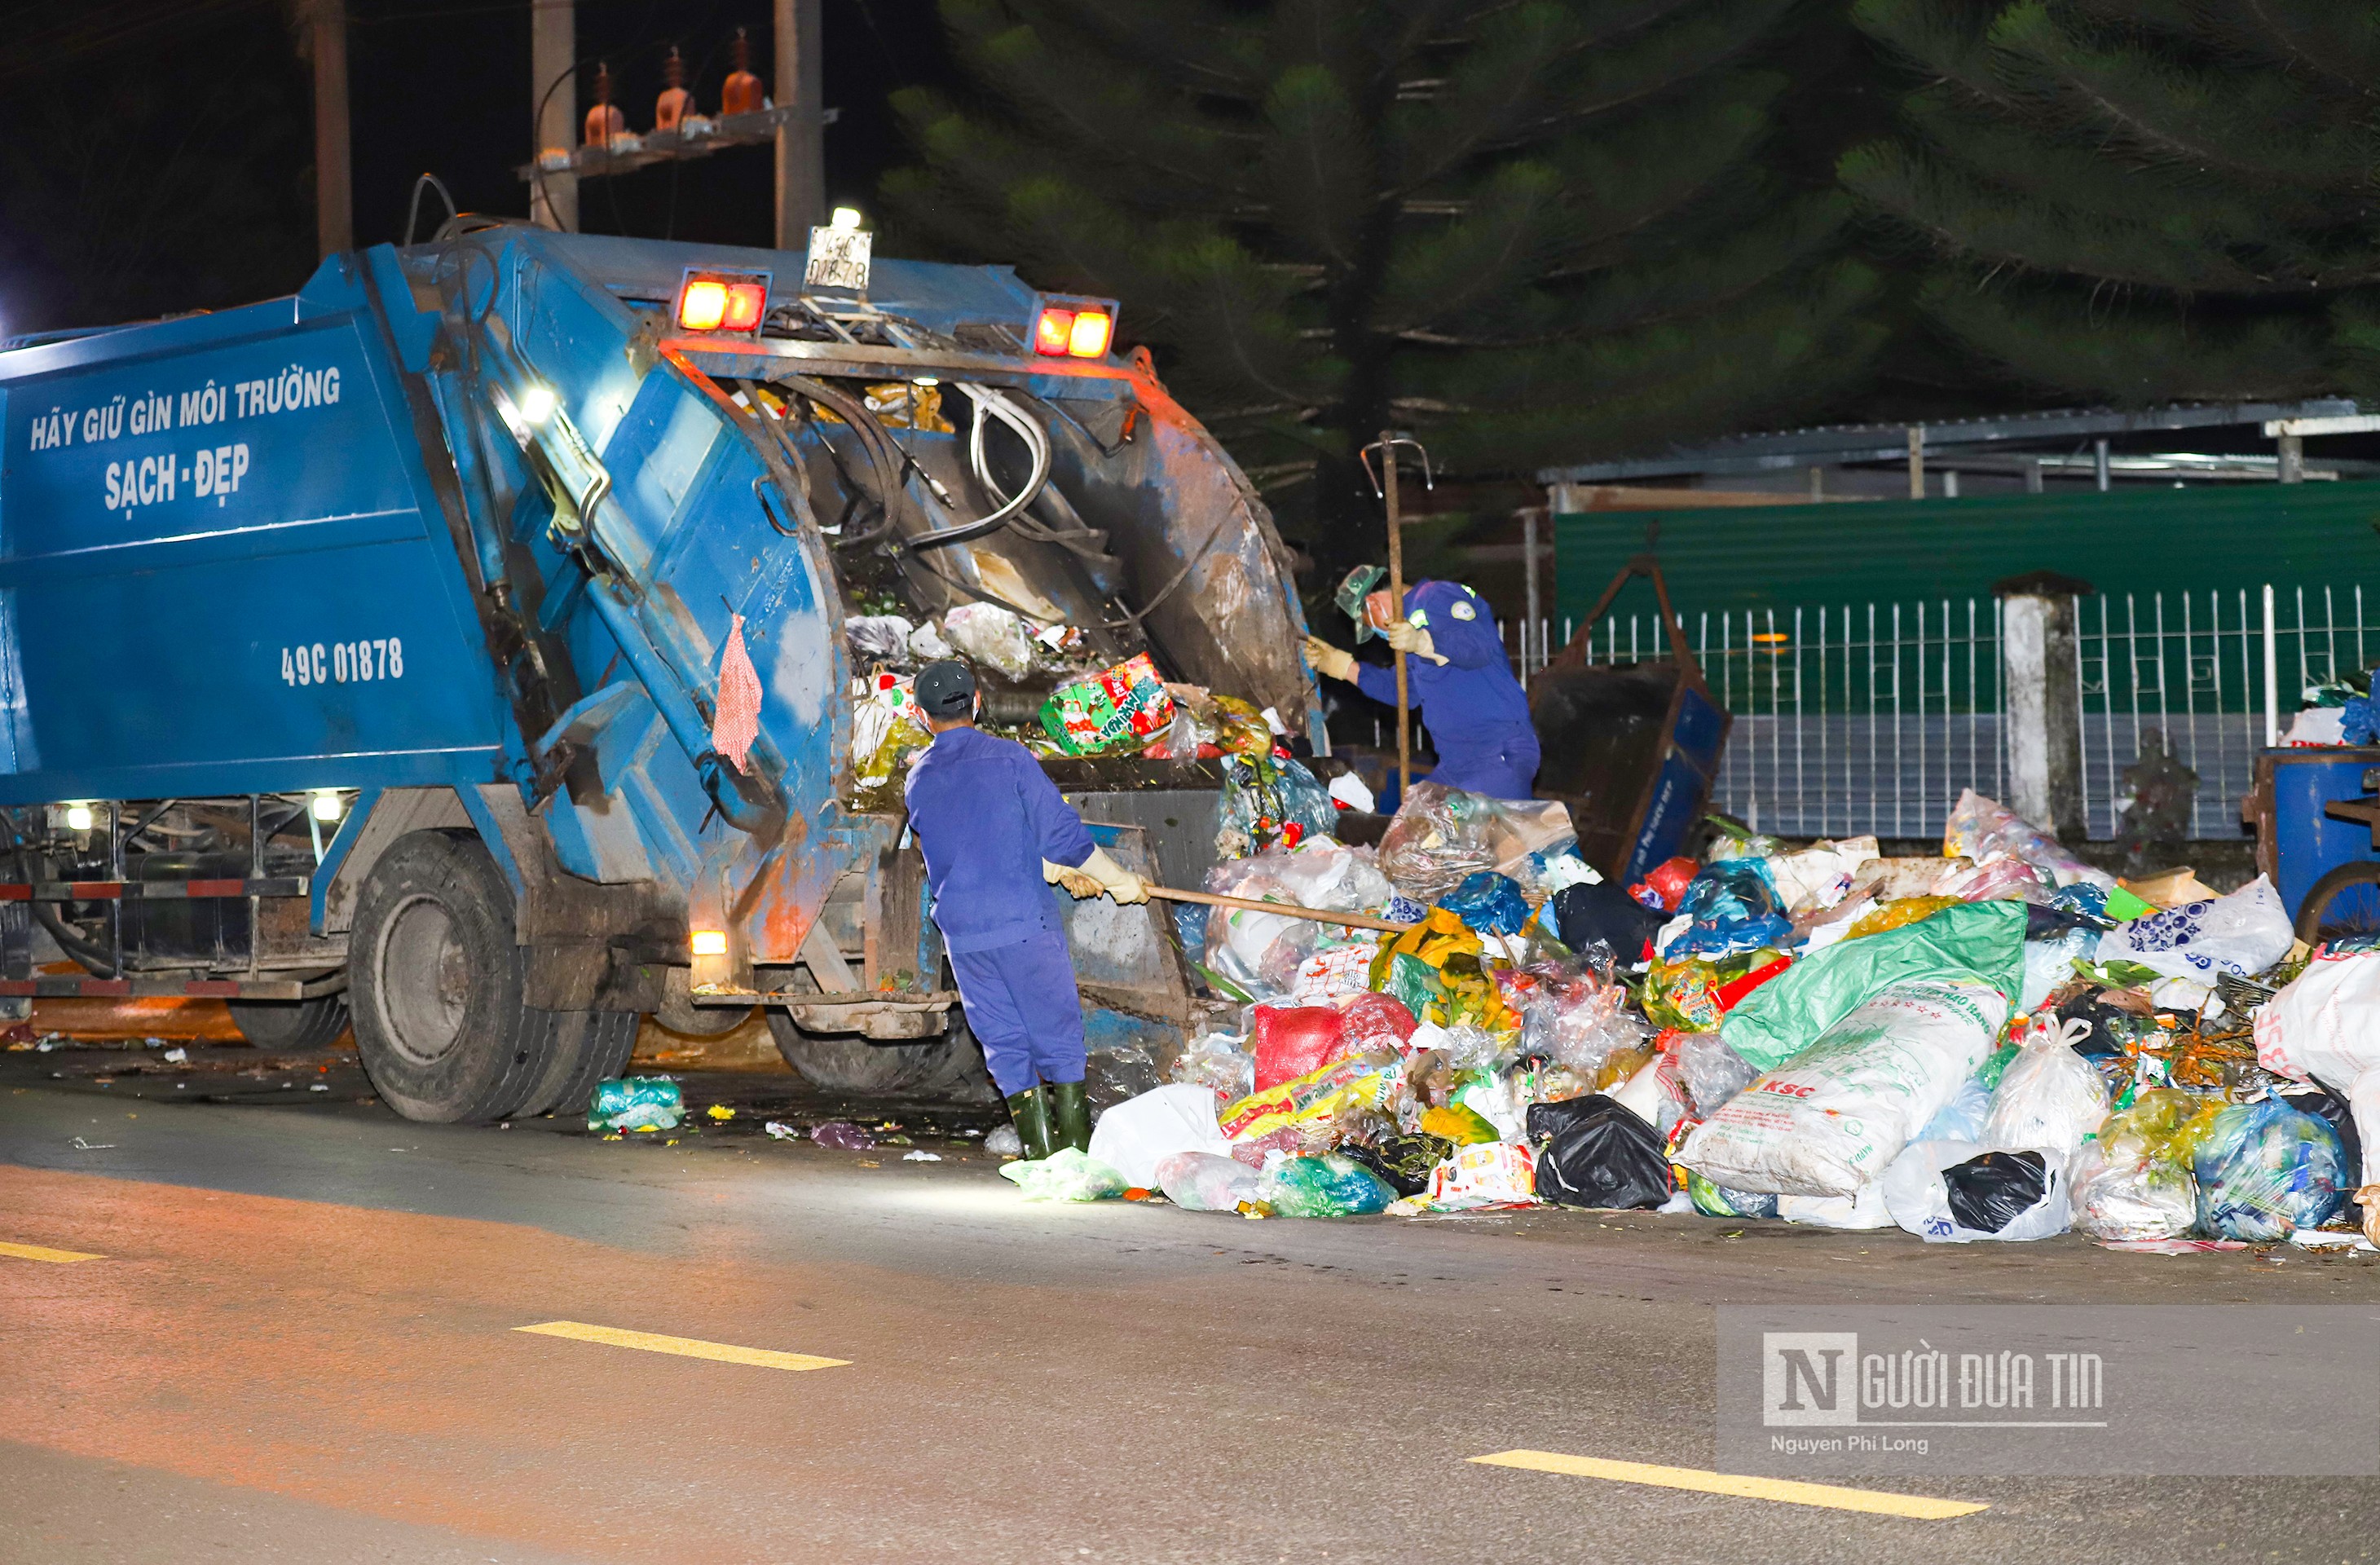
<point>841,1136</point>
<point>719,1111</point>
<point>176,1056</point>
<point>1003,1142</point>
<point>778,1129</point>
<point>921,1156</point>
<point>79,1145</point>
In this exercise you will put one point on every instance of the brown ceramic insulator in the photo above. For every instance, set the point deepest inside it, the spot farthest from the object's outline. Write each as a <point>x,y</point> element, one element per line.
<point>743,93</point>
<point>676,102</point>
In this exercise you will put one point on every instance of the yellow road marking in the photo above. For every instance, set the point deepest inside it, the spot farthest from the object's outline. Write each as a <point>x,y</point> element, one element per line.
<point>36,1252</point>
<point>685,1347</point>
<point>1921,1507</point>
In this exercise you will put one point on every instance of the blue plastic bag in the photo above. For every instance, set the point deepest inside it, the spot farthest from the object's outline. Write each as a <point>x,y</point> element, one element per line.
<point>1734,907</point>
<point>2266,1170</point>
<point>1490,903</point>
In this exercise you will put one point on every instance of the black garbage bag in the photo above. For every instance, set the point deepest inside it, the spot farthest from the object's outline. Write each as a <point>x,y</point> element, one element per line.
<point>1594,1152</point>
<point>1403,1160</point>
<point>1991,1192</point>
<point>1585,913</point>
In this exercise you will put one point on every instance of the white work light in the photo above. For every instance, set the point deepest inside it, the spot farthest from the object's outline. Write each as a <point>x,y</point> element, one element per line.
<point>326,805</point>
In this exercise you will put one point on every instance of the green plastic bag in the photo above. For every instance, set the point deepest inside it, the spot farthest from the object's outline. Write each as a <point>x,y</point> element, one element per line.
<point>1979,939</point>
<point>1332,1185</point>
<point>630,1103</point>
<point>1416,983</point>
<point>1066,1175</point>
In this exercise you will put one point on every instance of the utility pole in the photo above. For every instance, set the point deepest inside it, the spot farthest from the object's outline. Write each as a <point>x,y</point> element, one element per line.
<point>554,100</point>
<point>335,205</point>
<point>801,139</point>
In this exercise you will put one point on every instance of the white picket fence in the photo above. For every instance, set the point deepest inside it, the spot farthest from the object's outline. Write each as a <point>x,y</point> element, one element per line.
<point>1872,717</point>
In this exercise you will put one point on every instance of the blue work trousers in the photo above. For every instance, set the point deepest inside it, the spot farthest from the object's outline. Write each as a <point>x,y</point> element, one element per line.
<point>1022,1006</point>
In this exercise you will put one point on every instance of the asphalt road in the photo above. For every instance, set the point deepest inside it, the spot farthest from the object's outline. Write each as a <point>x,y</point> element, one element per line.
<point>300,1341</point>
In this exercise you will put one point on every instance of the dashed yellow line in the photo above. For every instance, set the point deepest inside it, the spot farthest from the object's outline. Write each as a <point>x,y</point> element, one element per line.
<point>1875,1501</point>
<point>685,1347</point>
<point>40,1253</point>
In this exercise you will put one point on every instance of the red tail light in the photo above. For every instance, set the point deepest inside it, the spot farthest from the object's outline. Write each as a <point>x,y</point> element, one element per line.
<point>722,301</point>
<point>1073,328</point>
<point>746,301</point>
<point>1055,332</point>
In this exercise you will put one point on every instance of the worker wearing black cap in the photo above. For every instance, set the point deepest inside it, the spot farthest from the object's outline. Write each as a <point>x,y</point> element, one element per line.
<point>996,835</point>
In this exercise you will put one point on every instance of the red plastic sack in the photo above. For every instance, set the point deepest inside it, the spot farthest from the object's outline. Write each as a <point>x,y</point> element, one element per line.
<point>1665,885</point>
<point>1293,1041</point>
<point>1376,1021</point>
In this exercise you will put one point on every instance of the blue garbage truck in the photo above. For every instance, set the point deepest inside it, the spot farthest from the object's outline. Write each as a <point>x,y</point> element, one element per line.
<point>362,651</point>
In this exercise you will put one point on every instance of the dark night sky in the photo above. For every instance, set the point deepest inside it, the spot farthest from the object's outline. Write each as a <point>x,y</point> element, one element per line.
<point>163,154</point>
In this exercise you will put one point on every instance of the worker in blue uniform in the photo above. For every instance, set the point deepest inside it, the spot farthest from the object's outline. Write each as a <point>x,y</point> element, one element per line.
<point>997,835</point>
<point>1458,672</point>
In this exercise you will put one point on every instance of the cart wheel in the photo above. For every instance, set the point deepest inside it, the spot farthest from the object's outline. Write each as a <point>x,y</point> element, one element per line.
<point>939,1068</point>
<point>2346,900</point>
<point>291,1024</point>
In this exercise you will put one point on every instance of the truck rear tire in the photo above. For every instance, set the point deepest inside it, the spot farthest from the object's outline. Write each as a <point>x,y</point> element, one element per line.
<point>939,1067</point>
<point>436,984</point>
<point>587,1046</point>
<point>290,1023</point>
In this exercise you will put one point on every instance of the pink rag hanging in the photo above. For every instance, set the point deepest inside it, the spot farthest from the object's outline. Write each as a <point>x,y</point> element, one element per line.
<point>738,720</point>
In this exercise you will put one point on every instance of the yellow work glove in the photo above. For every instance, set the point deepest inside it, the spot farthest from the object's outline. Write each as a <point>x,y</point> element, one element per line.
<point>1078,885</point>
<point>1104,874</point>
<point>1323,658</point>
<point>1412,640</point>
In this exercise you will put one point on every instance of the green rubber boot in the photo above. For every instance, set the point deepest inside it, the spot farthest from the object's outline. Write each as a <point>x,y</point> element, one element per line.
<point>1032,1122</point>
<point>1070,1116</point>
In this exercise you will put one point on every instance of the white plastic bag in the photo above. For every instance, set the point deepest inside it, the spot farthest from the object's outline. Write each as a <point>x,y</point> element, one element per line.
<point>1863,1208</point>
<point>2244,933</point>
<point>1918,1196</point>
<point>1820,874</point>
<point>2049,1097</point>
<point>1138,1134</point>
<point>1831,1118</point>
<point>1961,1119</point>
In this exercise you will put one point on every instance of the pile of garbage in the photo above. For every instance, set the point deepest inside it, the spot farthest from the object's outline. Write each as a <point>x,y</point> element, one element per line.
<point>1999,1043</point>
<point>1090,708</point>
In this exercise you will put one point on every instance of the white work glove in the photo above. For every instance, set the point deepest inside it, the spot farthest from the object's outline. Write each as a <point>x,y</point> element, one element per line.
<point>1412,640</point>
<point>1099,873</point>
<point>1323,658</point>
<point>1078,884</point>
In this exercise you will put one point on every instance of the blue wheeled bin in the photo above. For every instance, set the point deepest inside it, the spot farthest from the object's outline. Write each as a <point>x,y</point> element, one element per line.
<point>2312,853</point>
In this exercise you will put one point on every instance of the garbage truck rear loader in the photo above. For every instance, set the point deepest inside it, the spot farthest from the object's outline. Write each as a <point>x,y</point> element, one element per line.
<point>361,652</point>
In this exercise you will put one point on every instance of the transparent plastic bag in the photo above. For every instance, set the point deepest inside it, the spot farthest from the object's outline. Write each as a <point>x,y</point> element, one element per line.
<point>2133,1180</point>
<point>1201,1181</point>
<point>1439,836</point>
<point>1064,1175</point>
<point>1982,829</point>
<point>2266,1170</point>
<point>1219,1062</point>
<point>1267,802</point>
<point>1570,1015</point>
<point>1712,1072</point>
<point>991,635</point>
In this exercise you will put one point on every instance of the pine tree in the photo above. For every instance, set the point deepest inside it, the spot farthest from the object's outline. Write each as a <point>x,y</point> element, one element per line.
<point>1531,232</point>
<point>2142,199</point>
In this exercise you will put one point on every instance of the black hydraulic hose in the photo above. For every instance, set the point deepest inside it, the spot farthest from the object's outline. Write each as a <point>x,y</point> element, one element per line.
<point>891,464</point>
<point>93,959</point>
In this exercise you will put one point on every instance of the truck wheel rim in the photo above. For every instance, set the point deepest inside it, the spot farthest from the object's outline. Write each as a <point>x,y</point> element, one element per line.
<point>425,981</point>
